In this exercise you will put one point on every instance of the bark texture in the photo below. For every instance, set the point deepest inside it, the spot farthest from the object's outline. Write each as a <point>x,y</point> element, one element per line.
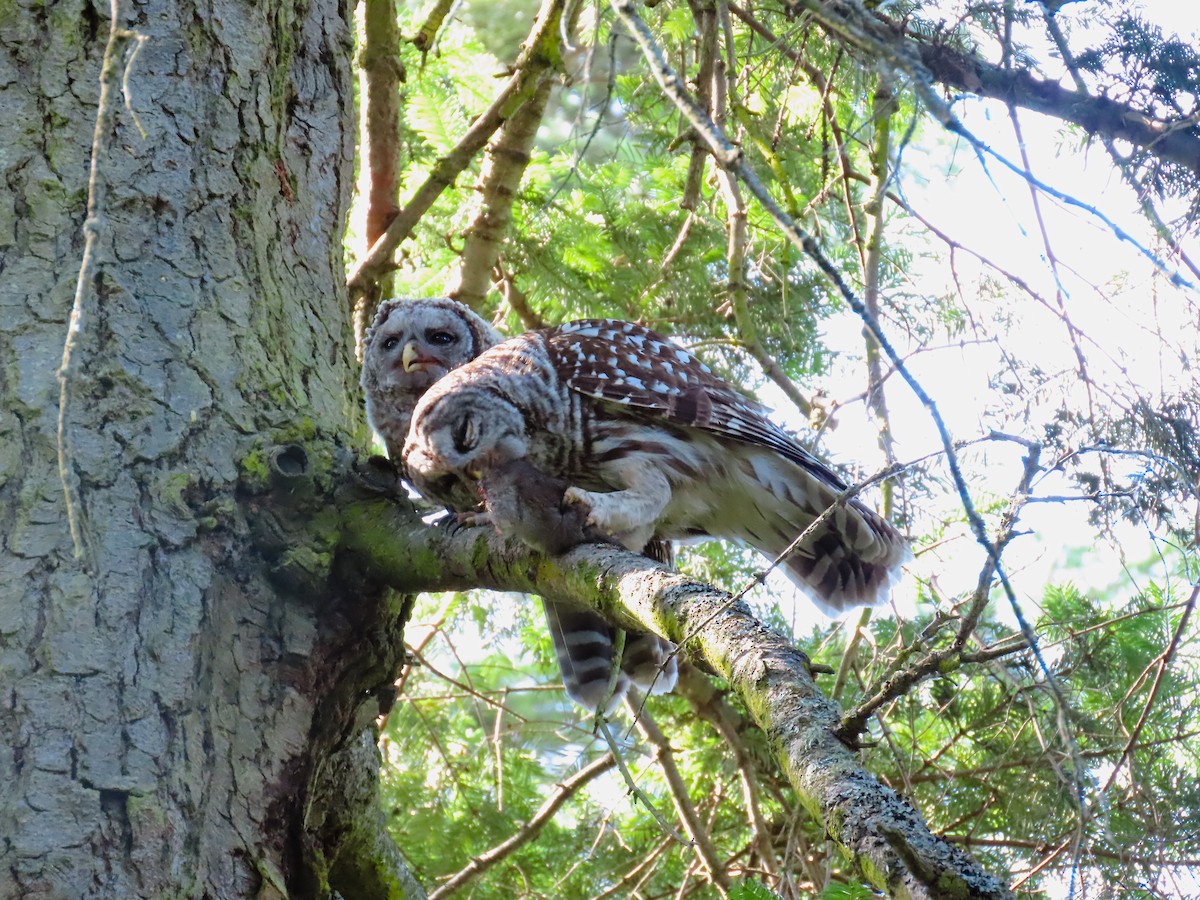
<point>171,697</point>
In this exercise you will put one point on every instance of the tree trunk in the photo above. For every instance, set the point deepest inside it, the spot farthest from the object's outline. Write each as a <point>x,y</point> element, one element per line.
<point>179,677</point>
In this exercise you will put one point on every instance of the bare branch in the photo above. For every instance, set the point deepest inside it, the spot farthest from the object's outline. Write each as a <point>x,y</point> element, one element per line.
<point>1162,661</point>
<point>711,705</point>
<point>382,73</point>
<point>427,33</point>
<point>533,65</point>
<point>505,164</point>
<point>665,757</point>
<point>903,680</point>
<point>630,782</point>
<point>86,304</point>
<point>566,789</point>
<point>1175,142</point>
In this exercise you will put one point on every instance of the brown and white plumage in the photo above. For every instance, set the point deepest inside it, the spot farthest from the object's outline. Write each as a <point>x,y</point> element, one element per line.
<point>654,444</point>
<point>526,503</point>
<point>410,345</point>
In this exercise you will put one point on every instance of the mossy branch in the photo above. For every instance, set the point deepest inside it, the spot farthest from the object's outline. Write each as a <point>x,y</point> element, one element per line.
<point>380,538</point>
<point>868,821</point>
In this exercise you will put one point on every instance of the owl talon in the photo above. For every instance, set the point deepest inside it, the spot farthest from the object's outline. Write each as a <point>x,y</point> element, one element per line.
<point>473,519</point>
<point>577,497</point>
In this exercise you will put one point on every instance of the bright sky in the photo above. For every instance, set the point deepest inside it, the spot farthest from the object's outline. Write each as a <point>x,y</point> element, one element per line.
<point>1110,290</point>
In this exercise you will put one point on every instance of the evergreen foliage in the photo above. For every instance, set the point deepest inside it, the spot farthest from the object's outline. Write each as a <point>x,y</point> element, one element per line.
<point>1010,759</point>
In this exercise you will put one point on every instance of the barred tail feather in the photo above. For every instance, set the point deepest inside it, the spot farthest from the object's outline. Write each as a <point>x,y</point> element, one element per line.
<point>852,558</point>
<point>583,643</point>
<point>856,562</point>
<point>649,664</point>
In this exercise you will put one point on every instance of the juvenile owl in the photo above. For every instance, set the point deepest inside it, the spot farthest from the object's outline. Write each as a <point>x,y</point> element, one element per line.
<point>653,445</point>
<point>409,346</point>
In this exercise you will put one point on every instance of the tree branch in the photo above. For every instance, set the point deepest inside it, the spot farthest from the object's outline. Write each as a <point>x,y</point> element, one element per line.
<point>892,845</point>
<point>507,159</point>
<point>566,790</point>
<point>943,660</point>
<point>710,705</point>
<point>538,54</point>
<point>382,73</point>
<point>1175,142</point>
<point>665,757</point>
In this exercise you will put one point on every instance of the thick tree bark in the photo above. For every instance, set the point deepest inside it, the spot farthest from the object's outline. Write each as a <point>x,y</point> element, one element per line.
<point>172,696</point>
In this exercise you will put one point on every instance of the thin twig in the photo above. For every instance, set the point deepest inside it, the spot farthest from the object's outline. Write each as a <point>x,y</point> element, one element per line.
<point>86,304</point>
<point>665,757</point>
<point>711,705</point>
<point>1142,194</point>
<point>637,873</point>
<point>465,688</point>
<point>900,682</point>
<point>1163,661</point>
<point>566,789</point>
<point>637,793</point>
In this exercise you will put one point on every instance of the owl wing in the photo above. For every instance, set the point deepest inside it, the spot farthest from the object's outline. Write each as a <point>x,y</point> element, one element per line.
<point>628,365</point>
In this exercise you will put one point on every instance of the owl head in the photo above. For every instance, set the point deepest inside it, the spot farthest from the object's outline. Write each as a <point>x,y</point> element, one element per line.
<point>413,343</point>
<point>459,432</point>
<point>409,346</point>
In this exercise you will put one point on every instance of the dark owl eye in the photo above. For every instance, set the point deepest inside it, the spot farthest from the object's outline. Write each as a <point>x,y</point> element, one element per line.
<point>390,343</point>
<point>440,337</point>
<point>466,435</point>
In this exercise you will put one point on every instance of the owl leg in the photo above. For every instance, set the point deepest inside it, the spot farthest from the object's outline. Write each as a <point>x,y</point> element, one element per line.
<point>630,514</point>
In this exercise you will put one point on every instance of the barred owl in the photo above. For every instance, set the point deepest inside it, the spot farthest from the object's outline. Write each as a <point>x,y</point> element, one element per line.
<point>409,346</point>
<point>653,444</point>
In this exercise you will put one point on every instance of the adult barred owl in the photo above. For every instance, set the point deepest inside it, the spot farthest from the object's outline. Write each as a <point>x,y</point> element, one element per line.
<point>410,345</point>
<point>653,444</point>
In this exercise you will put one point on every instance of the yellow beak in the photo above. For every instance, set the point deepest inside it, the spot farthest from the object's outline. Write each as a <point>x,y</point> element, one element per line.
<point>407,357</point>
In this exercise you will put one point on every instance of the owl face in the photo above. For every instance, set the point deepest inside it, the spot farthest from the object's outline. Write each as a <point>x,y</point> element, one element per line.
<point>458,436</point>
<point>414,343</point>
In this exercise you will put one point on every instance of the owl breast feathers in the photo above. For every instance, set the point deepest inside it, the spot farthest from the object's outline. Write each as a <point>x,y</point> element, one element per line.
<point>654,445</point>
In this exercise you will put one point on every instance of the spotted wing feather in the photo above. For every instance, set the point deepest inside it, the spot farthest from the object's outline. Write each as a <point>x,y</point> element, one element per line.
<point>645,373</point>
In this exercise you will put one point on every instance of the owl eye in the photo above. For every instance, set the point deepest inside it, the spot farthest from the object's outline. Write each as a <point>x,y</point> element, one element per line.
<point>466,434</point>
<point>391,343</point>
<point>440,337</point>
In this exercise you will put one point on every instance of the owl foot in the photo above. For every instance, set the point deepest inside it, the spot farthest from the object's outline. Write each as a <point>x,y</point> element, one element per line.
<point>473,519</point>
<point>610,513</point>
